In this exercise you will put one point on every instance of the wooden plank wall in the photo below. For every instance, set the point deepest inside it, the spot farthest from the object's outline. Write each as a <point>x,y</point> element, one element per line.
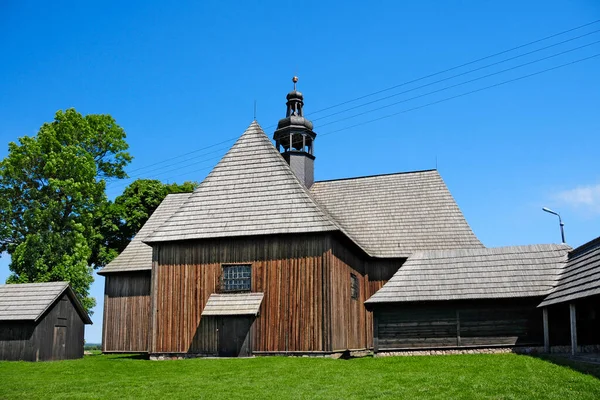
<point>379,272</point>
<point>34,342</point>
<point>459,324</point>
<point>348,316</point>
<point>126,312</point>
<point>289,270</point>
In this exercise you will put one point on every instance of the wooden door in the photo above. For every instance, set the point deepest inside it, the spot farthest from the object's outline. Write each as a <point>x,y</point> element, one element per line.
<point>234,336</point>
<point>59,344</point>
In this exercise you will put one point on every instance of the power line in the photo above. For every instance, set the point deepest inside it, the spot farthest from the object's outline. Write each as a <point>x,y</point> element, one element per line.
<point>380,91</point>
<point>442,100</point>
<point>184,154</point>
<point>461,83</point>
<point>454,76</point>
<point>462,94</point>
<point>457,67</point>
<point>131,177</point>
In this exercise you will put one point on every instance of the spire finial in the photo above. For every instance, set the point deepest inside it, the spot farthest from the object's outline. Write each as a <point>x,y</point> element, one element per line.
<point>295,80</point>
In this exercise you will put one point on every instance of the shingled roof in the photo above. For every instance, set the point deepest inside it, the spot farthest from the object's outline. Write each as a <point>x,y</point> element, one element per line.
<point>504,272</point>
<point>251,191</point>
<point>137,256</point>
<point>220,304</point>
<point>581,276</point>
<point>29,301</point>
<point>395,215</point>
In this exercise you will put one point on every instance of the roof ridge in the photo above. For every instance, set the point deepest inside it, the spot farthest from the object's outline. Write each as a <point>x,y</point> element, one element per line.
<point>378,175</point>
<point>243,180</point>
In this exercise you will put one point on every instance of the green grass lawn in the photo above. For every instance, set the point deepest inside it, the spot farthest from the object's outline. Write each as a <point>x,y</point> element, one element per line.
<point>505,376</point>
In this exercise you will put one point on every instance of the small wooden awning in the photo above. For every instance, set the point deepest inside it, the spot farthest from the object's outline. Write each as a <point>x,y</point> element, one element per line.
<point>221,304</point>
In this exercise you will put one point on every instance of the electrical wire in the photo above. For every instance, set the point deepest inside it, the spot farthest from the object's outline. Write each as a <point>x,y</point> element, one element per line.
<point>456,67</point>
<point>440,101</point>
<point>113,183</point>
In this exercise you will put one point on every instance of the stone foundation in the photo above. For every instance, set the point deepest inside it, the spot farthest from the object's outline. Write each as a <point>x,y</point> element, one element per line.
<point>385,353</point>
<point>179,356</point>
<point>490,350</point>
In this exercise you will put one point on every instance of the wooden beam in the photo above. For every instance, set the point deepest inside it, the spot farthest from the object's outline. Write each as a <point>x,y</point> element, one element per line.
<point>546,330</point>
<point>375,333</point>
<point>573,316</point>
<point>458,342</point>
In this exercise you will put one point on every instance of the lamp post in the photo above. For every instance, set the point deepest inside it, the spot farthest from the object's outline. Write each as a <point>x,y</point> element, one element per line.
<point>562,226</point>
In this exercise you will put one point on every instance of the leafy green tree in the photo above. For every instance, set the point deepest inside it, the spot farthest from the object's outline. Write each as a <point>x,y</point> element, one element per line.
<point>52,187</point>
<point>121,220</point>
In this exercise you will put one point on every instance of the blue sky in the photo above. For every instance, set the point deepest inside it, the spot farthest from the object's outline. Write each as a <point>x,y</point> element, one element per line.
<point>182,77</point>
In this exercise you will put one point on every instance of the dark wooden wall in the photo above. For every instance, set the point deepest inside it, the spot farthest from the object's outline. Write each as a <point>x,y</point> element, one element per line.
<point>37,342</point>
<point>458,324</point>
<point>348,326</point>
<point>305,279</point>
<point>126,312</point>
<point>287,269</point>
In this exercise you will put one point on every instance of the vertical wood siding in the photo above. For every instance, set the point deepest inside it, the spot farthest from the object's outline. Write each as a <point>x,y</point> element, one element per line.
<point>378,273</point>
<point>126,312</point>
<point>36,342</point>
<point>289,270</point>
<point>459,324</point>
<point>349,318</point>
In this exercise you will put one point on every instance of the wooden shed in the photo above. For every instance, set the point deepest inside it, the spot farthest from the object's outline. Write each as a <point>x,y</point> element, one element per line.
<point>467,298</point>
<point>41,321</point>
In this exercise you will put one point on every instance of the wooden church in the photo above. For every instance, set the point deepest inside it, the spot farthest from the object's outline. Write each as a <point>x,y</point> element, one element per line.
<point>260,259</point>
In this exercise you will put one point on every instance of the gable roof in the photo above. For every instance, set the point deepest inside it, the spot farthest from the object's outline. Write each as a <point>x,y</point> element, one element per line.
<point>29,301</point>
<point>581,276</point>
<point>503,272</point>
<point>251,191</point>
<point>395,215</point>
<point>137,256</point>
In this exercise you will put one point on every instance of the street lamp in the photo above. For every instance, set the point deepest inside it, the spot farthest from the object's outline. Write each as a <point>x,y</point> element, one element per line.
<point>562,226</point>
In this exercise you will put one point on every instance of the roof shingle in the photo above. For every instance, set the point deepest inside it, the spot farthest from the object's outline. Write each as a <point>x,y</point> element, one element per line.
<point>137,256</point>
<point>251,191</point>
<point>503,272</point>
<point>29,301</point>
<point>233,304</point>
<point>395,215</point>
<point>581,276</point>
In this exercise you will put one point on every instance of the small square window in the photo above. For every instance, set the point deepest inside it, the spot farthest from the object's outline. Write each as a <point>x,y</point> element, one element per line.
<point>236,278</point>
<point>354,289</point>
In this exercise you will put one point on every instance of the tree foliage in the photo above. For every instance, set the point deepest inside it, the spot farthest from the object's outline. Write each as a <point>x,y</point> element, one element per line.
<point>120,220</point>
<point>52,189</point>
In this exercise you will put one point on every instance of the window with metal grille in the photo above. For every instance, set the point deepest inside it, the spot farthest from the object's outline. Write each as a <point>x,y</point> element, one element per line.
<point>354,286</point>
<point>236,278</point>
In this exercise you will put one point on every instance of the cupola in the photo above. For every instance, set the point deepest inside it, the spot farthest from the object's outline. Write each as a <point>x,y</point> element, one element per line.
<point>294,138</point>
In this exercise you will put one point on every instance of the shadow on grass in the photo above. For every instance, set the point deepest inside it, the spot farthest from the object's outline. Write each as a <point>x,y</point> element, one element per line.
<point>576,365</point>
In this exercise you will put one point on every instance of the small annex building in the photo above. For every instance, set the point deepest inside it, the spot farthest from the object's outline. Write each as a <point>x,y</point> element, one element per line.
<point>467,298</point>
<point>40,322</point>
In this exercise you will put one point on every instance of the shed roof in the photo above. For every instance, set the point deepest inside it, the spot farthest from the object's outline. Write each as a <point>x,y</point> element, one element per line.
<point>503,272</point>
<point>251,191</point>
<point>397,214</point>
<point>220,304</point>
<point>581,276</point>
<point>29,301</point>
<point>137,256</point>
